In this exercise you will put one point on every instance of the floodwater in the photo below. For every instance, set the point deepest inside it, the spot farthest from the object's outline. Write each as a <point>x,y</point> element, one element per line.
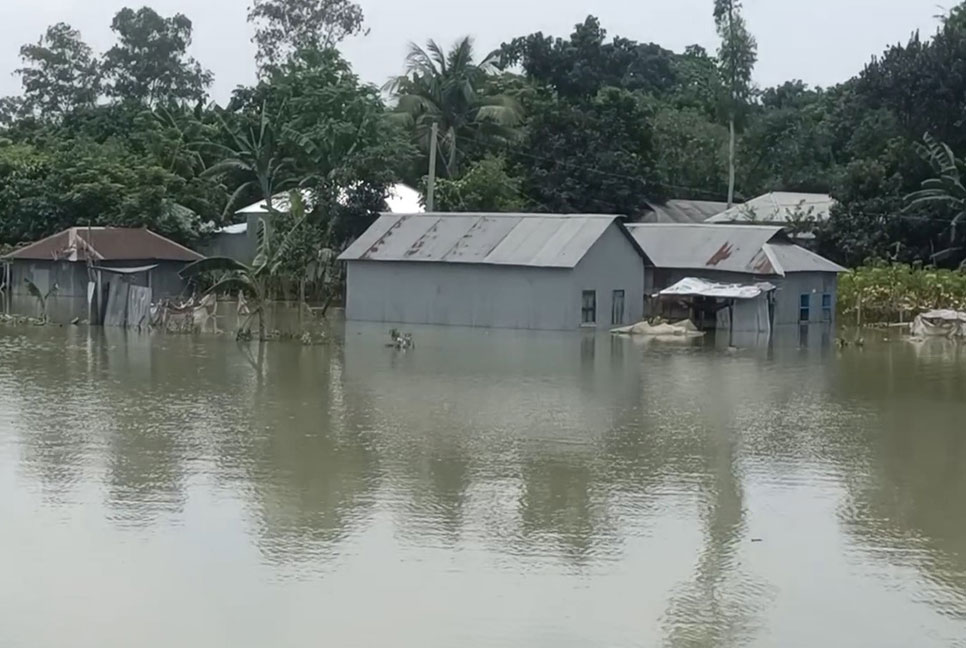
<point>488,488</point>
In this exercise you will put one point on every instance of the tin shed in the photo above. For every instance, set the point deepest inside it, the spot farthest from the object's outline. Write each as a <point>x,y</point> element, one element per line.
<point>101,274</point>
<point>528,271</point>
<point>806,283</point>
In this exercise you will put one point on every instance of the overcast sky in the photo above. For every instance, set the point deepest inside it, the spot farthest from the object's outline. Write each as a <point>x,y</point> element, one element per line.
<point>820,41</point>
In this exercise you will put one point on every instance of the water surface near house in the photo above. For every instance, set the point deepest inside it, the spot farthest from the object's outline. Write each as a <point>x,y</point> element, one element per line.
<point>488,488</point>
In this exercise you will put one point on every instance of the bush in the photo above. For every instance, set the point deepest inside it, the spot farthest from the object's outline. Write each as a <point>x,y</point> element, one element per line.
<point>897,291</point>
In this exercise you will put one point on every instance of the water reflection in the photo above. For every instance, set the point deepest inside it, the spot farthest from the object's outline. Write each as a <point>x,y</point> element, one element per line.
<point>537,471</point>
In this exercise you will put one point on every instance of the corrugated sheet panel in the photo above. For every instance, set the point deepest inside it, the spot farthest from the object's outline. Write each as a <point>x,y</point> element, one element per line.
<point>106,244</point>
<point>540,240</point>
<point>778,207</point>
<point>732,248</point>
<point>684,211</point>
<point>794,258</point>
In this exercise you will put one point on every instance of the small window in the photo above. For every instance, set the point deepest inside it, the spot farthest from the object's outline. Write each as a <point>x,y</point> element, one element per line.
<point>827,307</point>
<point>617,307</point>
<point>588,307</point>
<point>803,308</point>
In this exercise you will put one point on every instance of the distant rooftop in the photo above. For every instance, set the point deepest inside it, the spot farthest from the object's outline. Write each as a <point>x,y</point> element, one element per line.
<point>678,210</point>
<point>748,249</point>
<point>537,240</point>
<point>777,207</point>
<point>105,244</point>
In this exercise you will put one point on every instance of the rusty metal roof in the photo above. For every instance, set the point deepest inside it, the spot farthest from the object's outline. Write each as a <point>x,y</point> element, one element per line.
<point>537,240</point>
<point>748,249</point>
<point>105,244</point>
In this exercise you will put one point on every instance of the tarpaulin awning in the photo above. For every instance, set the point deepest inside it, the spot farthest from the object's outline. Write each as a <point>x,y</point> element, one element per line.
<point>695,287</point>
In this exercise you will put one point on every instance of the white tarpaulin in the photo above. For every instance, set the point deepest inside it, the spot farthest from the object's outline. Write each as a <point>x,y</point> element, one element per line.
<point>940,323</point>
<point>694,287</point>
<point>740,307</point>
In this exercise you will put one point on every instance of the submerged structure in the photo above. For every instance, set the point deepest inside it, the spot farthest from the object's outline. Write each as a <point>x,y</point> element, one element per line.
<point>105,275</point>
<point>805,284</point>
<point>526,271</point>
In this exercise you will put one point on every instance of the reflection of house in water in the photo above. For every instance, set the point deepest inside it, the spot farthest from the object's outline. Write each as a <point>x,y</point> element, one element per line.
<point>107,275</point>
<point>806,284</point>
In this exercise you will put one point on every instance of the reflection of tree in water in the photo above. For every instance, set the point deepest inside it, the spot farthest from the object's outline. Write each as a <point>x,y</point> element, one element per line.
<point>438,479</point>
<point>907,483</point>
<point>558,507</point>
<point>717,607</point>
<point>43,403</point>
<point>695,418</point>
<point>308,468</point>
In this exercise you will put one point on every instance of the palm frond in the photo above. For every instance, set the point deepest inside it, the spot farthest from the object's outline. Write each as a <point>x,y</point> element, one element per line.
<point>213,264</point>
<point>227,166</point>
<point>234,283</point>
<point>947,254</point>
<point>240,191</point>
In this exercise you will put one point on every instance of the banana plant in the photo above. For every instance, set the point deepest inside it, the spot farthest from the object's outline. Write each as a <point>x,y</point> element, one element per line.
<point>255,280</point>
<point>40,296</point>
<point>945,188</point>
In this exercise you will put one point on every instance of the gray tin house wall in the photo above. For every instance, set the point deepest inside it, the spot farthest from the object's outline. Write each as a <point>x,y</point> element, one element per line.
<point>612,263</point>
<point>420,292</point>
<point>788,294</point>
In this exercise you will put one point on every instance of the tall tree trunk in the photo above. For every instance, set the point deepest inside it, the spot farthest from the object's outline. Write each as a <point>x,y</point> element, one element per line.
<point>261,324</point>
<point>731,162</point>
<point>451,164</point>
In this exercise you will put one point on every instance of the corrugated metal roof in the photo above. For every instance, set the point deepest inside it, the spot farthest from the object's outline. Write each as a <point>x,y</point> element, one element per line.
<point>683,211</point>
<point>538,240</point>
<point>748,249</point>
<point>105,244</point>
<point>795,258</point>
<point>777,207</point>
<point>731,248</point>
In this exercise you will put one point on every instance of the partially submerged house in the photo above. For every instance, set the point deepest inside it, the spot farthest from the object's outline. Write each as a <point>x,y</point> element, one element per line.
<point>805,283</point>
<point>240,240</point>
<point>107,275</point>
<point>526,271</point>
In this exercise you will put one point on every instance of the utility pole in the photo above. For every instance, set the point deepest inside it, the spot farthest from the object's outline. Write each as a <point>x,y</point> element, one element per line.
<point>431,183</point>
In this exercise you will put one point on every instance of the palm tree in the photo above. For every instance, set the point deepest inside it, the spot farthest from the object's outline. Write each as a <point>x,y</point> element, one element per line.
<point>255,280</point>
<point>946,188</point>
<point>449,90</point>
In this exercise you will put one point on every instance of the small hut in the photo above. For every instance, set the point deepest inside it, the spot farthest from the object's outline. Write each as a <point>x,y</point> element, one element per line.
<point>105,275</point>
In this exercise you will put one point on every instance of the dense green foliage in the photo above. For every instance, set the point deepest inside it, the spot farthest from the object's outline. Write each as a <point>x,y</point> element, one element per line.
<point>584,122</point>
<point>890,292</point>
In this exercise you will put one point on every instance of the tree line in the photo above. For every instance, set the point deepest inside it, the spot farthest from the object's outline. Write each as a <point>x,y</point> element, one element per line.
<point>579,123</point>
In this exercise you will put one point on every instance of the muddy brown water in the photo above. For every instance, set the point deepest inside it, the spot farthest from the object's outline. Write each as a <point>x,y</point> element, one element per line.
<point>488,488</point>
